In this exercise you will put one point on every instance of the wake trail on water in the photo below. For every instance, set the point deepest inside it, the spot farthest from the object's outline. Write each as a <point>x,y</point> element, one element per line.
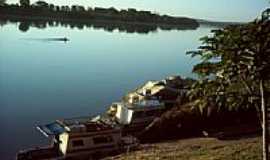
<point>46,39</point>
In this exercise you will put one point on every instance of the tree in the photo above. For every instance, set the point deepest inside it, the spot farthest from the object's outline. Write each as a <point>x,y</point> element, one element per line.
<point>57,8</point>
<point>112,10</point>
<point>42,4</point>
<point>2,2</point>
<point>65,9</point>
<point>24,26</point>
<point>77,8</point>
<point>25,3</point>
<point>52,7</point>
<point>235,70</point>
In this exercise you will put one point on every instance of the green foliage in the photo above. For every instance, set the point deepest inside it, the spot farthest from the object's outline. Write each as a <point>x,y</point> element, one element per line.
<point>24,26</point>
<point>2,2</point>
<point>233,62</point>
<point>41,4</point>
<point>78,12</point>
<point>25,3</point>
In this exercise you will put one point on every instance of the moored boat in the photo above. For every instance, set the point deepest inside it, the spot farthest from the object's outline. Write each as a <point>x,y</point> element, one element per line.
<point>80,138</point>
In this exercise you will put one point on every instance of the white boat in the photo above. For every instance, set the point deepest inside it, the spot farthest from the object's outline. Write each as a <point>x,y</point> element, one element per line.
<point>80,138</point>
<point>134,117</point>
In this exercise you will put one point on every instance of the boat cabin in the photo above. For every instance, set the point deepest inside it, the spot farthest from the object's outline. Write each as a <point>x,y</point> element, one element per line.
<point>80,138</point>
<point>136,116</point>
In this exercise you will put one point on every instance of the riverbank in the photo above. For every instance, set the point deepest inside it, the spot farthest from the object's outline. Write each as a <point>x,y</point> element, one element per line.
<point>246,148</point>
<point>157,111</point>
<point>75,15</point>
<point>25,22</point>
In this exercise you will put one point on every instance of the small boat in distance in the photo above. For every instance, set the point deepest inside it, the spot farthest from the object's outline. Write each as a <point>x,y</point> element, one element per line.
<point>64,39</point>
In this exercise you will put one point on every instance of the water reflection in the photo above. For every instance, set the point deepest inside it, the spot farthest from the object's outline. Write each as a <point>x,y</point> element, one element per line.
<point>41,82</point>
<point>109,26</point>
<point>24,26</point>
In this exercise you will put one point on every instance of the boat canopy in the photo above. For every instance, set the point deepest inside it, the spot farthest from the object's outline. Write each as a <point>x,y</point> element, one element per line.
<point>51,129</point>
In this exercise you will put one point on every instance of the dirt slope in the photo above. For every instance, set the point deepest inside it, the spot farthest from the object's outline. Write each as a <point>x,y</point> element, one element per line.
<point>198,149</point>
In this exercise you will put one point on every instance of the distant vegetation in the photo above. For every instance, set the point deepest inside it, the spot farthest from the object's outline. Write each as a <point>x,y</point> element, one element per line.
<point>77,15</point>
<point>218,24</point>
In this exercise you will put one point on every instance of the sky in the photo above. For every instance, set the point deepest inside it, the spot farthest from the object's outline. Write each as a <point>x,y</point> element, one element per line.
<point>217,10</point>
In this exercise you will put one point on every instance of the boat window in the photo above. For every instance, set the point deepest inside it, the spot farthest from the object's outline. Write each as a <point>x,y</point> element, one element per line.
<point>77,143</point>
<point>103,139</point>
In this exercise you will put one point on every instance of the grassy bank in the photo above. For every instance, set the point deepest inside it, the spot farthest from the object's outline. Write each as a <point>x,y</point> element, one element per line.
<point>248,148</point>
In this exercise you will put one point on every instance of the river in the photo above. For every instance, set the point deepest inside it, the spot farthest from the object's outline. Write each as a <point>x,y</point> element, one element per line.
<point>43,80</point>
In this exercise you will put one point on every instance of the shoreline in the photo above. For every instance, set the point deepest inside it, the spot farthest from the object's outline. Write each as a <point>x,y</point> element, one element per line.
<point>157,114</point>
<point>145,18</point>
<point>20,18</point>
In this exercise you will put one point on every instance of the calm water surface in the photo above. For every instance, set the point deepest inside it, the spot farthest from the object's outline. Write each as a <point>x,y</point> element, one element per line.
<point>41,81</point>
